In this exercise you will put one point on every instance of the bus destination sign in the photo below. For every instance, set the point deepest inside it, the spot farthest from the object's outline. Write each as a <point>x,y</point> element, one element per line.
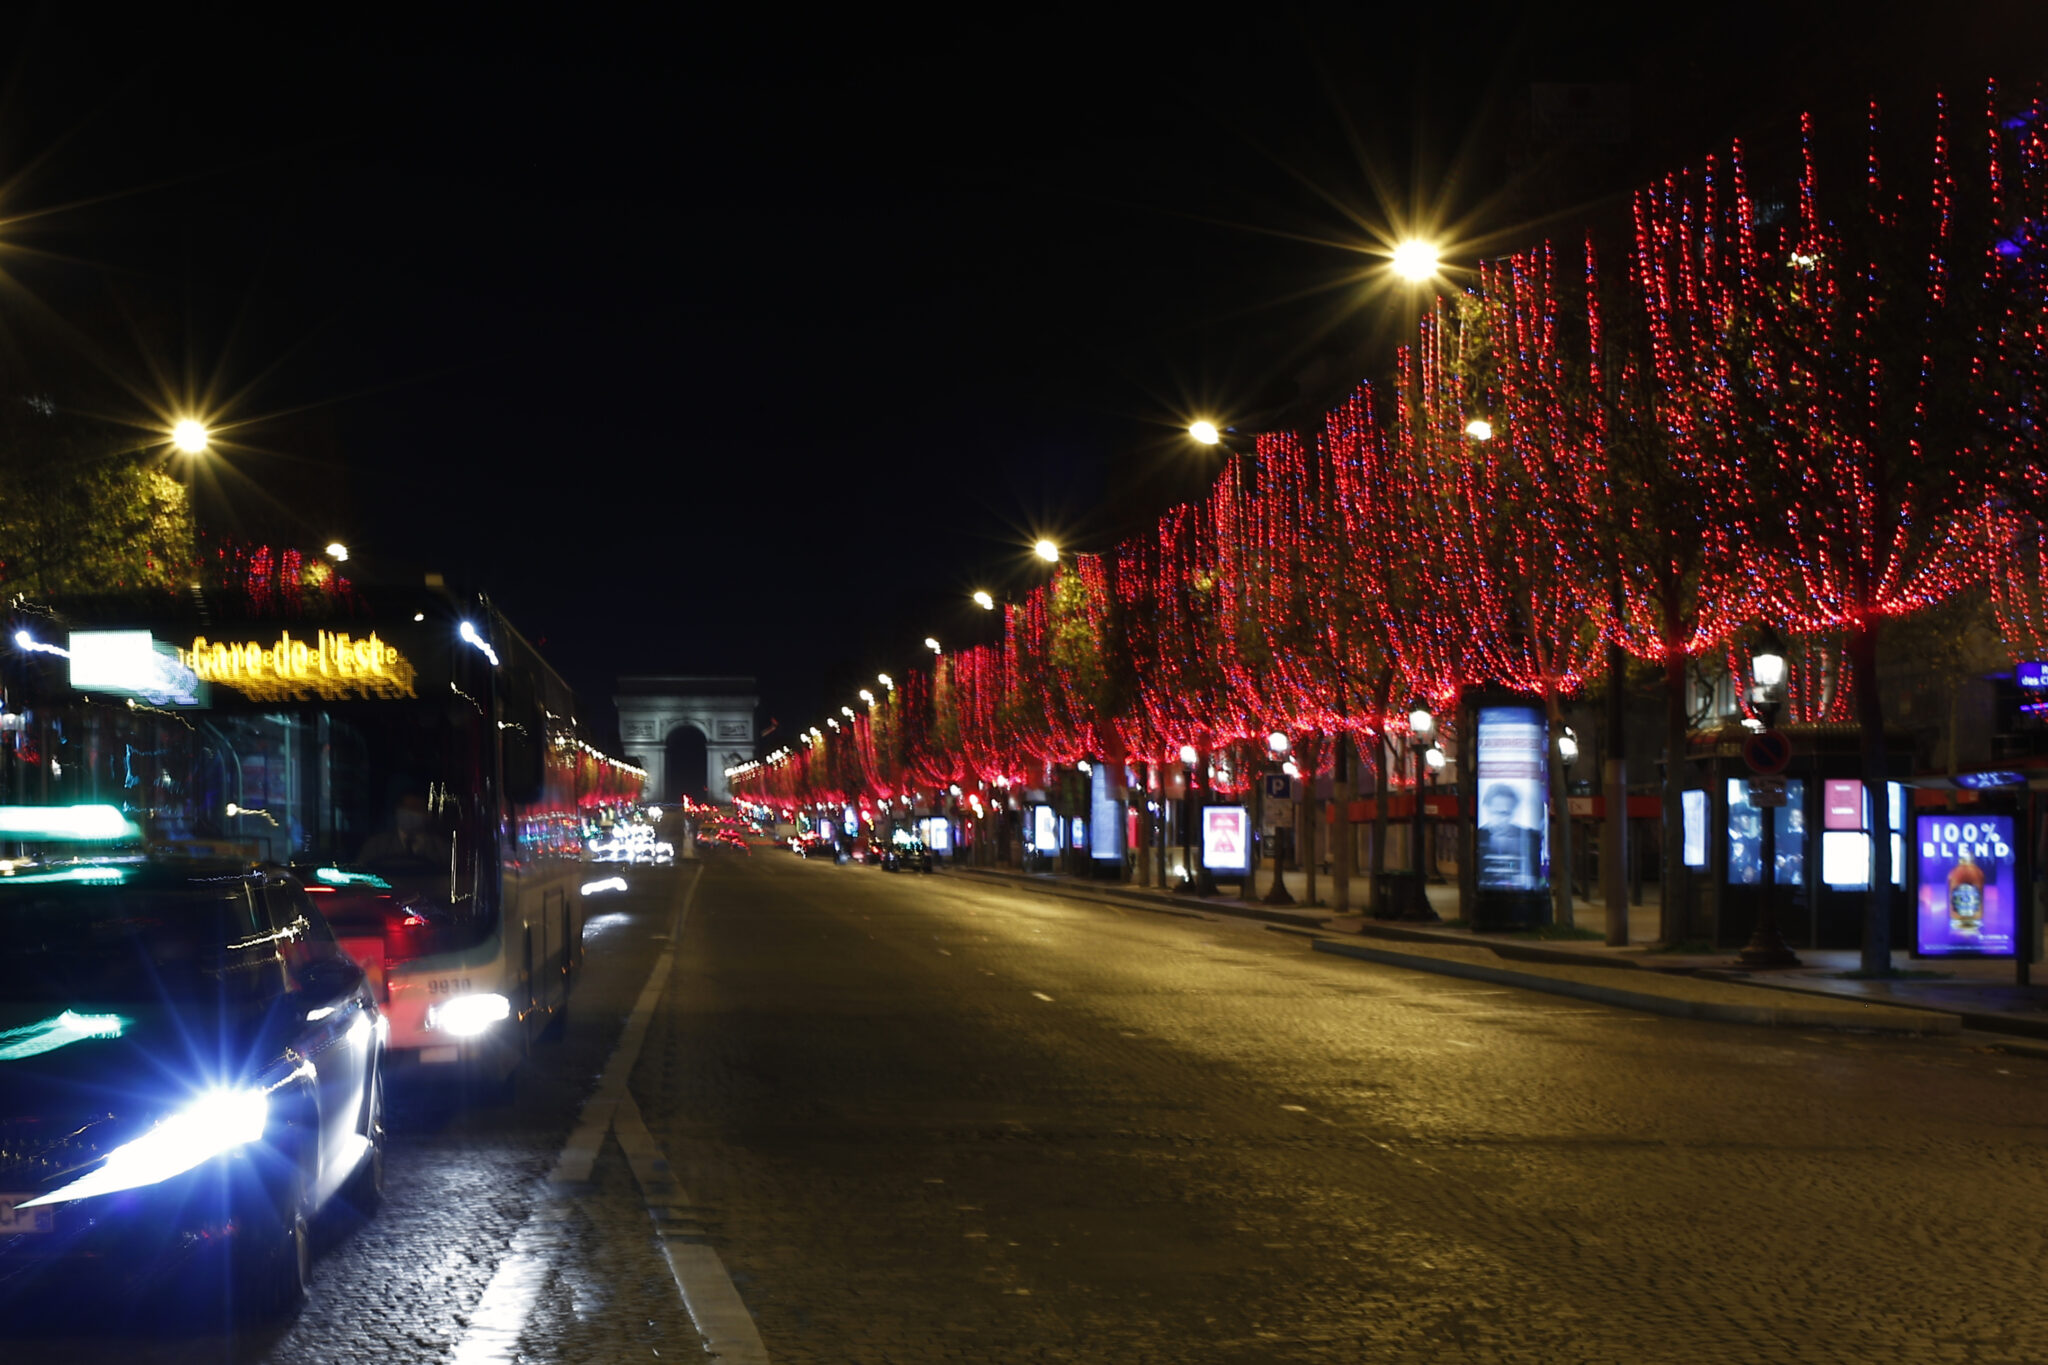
<point>333,665</point>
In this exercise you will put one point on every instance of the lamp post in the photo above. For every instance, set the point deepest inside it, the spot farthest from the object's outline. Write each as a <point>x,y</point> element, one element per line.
<point>1421,726</point>
<point>1766,946</point>
<point>1198,881</point>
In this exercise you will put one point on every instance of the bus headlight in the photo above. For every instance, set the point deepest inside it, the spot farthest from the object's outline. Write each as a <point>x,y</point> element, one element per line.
<point>468,1015</point>
<point>216,1122</point>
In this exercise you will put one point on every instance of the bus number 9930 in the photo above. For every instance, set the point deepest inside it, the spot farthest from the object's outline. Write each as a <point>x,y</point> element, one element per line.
<point>448,985</point>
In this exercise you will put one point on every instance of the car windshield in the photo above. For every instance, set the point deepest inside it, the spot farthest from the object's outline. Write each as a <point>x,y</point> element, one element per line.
<point>109,943</point>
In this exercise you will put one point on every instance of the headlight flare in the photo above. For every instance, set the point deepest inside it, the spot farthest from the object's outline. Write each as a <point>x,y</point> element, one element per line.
<point>218,1121</point>
<point>468,1015</point>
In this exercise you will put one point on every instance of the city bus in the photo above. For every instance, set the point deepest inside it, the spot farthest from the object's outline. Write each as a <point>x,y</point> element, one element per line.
<point>404,751</point>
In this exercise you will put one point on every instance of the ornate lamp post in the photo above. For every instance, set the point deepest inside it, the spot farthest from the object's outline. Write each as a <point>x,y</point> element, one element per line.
<point>1767,670</point>
<point>1277,744</point>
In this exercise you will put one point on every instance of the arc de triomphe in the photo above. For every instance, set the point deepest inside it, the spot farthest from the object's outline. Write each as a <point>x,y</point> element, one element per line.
<point>653,707</point>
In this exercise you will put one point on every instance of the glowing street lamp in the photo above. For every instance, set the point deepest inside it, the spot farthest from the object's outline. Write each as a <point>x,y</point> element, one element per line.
<point>932,645</point>
<point>885,680</point>
<point>1767,947</point>
<point>189,436</point>
<point>1205,433</point>
<point>337,552</point>
<point>1479,429</point>
<point>1047,551</point>
<point>1416,260</point>
<point>867,696</point>
<point>984,601</point>
<point>846,711</point>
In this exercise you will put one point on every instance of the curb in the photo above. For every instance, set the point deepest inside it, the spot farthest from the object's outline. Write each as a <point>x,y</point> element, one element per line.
<point>1142,901</point>
<point>1880,1020</point>
<point>1985,1021</point>
<point>1518,952</point>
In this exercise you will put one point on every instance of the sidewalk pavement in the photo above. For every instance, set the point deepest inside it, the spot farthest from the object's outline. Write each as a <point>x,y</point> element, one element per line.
<point>1977,994</point>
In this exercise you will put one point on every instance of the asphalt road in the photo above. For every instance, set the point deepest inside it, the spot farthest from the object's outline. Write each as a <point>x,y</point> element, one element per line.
<point>931,1120</point>
<point>927,1119</point>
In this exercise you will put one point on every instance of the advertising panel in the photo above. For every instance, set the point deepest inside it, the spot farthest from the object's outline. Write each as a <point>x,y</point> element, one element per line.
<point>1226,838</point>
<point>1043,833</point>
<point>1969,889</point>
<point>1693,805</point>
<point>937,832</point>
<point>1844,809</point>
<point>1105,825</point>
<point>1514,804</point>
<point>1745,835</point>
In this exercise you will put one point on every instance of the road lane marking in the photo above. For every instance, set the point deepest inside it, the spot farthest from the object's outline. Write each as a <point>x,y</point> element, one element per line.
<point>1043,996</point>
<point>701,1278</point>
<point>500,1316</point>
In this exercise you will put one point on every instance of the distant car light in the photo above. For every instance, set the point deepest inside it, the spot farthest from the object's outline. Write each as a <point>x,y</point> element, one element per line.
<point>468,1015</point>
<point>606,884</point>
<point>218,1121</point>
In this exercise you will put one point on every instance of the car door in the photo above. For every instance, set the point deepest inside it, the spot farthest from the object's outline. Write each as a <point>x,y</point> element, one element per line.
<point>338,1033</point>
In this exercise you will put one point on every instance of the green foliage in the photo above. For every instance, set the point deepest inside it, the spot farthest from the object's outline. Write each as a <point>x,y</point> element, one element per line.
<point>78,513</point>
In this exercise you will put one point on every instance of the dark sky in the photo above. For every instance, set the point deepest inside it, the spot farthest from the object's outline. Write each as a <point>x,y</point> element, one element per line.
<point>720,338</point>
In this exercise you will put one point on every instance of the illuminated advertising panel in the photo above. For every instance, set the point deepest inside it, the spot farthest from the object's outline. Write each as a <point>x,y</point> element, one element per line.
<point>1693,805</point>
<point>937,832</point>
<point>1968,888</point>
<point>1045,830</point>
<point>1844,804</point>
<point>1105,825</point>
<point>1226,839</point>
<point>1514,803</point>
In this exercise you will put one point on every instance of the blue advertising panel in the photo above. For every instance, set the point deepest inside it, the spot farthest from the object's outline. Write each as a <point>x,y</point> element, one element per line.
<point>1968,888</point>
<point>1693,806</point>
<point>2032,674</point>
<point>1106,822</point>
<point>1745,835</point>
<point>1514,799</point>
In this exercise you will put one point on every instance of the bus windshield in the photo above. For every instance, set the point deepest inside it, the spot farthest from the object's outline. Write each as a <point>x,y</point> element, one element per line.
<point>382,790</point>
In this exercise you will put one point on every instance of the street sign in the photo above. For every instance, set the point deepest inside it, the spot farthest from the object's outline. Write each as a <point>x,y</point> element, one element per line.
<point>1766,791</point>
<point>1279,787</point>
<point>1767,752</point>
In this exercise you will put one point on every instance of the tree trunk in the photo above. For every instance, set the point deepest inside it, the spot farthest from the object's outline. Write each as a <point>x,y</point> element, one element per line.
<point>1560,816</point>
<point>1305,815</point>
<point>1673,924</point>
<point>1877,912</point>
<point>1380,794</point>
<point>1340,828</point>
<point>1142,854</point>
<point>1614,839</point>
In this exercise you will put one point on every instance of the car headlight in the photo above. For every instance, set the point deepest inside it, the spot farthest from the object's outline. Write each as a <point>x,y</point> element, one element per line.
<point>468,1015</point>
<point>218,1121</point>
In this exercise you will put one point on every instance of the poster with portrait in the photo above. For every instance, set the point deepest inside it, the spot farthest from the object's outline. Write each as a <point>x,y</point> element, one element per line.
<point>1968,888</point>
<point>1514,799</point>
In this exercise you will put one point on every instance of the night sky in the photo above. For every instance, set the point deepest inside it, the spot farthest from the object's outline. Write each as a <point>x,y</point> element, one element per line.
<point>721,339</point>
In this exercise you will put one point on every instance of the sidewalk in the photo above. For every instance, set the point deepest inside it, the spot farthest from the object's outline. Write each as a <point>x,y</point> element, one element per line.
<point>1956,993</point>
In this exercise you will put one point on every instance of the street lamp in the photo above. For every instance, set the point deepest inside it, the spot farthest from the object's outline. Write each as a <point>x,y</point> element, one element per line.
<point>1479,429</point>
<point>1205,433</point>
<point>337,552</point>
<point>189,436</point>
<point>984,601</point>
<point>1415,260</point>
<point>932,645</point>
<point>885,680</point>
<point>846,711</point>
<point>867,696</point>
<point>1766,946</point>
<point>1421,725</point>
<point>1278,745</point>
<point>1047,551</point>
